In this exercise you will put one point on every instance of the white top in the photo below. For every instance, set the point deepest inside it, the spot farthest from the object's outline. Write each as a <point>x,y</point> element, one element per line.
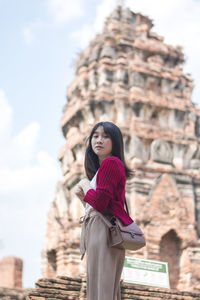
<point>93,184</point>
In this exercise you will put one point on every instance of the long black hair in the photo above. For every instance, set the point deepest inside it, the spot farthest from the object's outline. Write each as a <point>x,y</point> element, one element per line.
<point>91,159</point>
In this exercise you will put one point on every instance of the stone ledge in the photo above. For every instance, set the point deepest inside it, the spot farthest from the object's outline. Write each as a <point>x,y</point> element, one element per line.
<point>17,294</point>
<point>75,289</point>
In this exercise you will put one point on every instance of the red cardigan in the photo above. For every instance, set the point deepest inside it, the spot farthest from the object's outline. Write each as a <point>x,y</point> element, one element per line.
<point>110,191</point>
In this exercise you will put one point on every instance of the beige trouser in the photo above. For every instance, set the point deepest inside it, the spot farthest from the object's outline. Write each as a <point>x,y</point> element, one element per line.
<point>104,264</point>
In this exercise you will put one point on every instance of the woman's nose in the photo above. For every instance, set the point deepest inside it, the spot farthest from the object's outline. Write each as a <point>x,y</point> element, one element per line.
<point>99,139</point>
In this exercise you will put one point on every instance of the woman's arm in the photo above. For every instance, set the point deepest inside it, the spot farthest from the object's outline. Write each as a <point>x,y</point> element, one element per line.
<point>109,175</point>
<point>82,187</point>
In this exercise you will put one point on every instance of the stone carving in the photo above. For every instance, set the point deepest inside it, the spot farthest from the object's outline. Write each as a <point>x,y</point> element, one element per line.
<point>195,164</point>
<point>197,127</point>
<point>93,80</point>
<point>130,76</point>
<point>67,160</point>
<point>94,54</point>
<point>122,75</point>
<point>128,16</point>
<point>161,151</point>
<point>177,118</point>
<point>153,83</point>
<point>163,116</point>
<point>107,51</point>
<point>156,59</point>
<point>116,14</point>
<point>182,155</point>
<point>139,79</point>
<point>137,149</point>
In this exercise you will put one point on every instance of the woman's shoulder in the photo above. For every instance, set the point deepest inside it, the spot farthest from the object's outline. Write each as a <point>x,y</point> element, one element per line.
<point>113,160</point>
<point>112,167</point>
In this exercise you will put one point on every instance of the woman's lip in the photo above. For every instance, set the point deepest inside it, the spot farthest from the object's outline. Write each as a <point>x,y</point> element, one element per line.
<point>100,147</point>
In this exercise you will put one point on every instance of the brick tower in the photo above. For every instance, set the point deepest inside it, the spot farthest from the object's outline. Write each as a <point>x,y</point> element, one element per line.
<point>11,272</point>
<point>129,76</point>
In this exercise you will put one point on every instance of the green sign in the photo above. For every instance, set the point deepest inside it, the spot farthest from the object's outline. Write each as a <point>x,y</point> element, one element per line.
<point>146,272</point>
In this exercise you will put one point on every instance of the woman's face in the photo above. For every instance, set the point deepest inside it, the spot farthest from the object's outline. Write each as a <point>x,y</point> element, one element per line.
<point>101,144</point>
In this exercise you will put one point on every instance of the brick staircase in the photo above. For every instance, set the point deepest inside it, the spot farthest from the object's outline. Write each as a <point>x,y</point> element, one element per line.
<point>75,289</point>
<point>13,294</point>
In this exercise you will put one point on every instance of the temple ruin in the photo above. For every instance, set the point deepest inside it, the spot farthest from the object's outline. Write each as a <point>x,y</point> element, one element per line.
<point>11,272</point>
<point>129,76</point>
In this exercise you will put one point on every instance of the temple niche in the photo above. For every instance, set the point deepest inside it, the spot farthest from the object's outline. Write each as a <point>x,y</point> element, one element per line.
<point>129,76</point>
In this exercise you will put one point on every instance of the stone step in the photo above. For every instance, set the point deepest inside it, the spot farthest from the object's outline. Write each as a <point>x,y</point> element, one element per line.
<point>75,289</point>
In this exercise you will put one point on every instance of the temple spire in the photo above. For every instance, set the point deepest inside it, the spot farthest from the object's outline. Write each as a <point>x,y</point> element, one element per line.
<point>121,3</point>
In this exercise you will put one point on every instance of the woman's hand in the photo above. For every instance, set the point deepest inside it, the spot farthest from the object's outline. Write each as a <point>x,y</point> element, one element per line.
<point>82,187</point>
<point>79,193</point>
<point>85,185</point>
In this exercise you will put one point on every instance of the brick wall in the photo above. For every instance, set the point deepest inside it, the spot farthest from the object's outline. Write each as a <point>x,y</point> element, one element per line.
<point>11,272</point>
<point>75,289</point>
<point>13,294</point>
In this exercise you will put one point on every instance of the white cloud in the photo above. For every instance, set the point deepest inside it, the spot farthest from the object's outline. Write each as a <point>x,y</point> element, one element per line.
<point>25,142</point>
<point>154,9</point>
<point>28,35</point>
<point>62,11</point>
<point>23,178</point>
<point>5,115</point>
<point>28,179</point>
<point>84,35</point>
<point>174,19</point>
<point>102,11</point>
<point>21,166</point>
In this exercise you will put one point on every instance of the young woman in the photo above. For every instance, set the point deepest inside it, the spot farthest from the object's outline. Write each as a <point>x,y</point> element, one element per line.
<point>104,192</point>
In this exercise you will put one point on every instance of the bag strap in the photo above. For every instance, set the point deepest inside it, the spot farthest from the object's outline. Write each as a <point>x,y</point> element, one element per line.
<point>127,207</point>
<point>106,221</point>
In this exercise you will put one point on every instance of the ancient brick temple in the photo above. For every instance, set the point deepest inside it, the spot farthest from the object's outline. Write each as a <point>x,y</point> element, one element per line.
<point>11,269</point>
<point>129,76</point>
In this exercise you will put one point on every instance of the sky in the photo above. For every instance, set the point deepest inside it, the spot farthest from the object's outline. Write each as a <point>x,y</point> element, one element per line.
<point>40,41</point>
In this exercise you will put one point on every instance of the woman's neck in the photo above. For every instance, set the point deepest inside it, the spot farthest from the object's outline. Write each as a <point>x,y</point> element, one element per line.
<point>102,158</point>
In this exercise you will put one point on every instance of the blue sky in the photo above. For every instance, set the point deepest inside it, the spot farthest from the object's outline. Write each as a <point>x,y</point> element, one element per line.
<point>40,41</point>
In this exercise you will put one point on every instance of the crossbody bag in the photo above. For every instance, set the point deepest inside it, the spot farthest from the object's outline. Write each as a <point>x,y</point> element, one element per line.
<point>128,237</point>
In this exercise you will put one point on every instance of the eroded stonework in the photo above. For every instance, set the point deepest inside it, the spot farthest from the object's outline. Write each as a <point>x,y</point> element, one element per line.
<point>75,289</point>
<point>11,272</point>
<point>129,76</point>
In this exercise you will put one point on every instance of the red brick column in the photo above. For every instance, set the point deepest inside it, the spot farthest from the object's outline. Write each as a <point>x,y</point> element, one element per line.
<point>11,272</point>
